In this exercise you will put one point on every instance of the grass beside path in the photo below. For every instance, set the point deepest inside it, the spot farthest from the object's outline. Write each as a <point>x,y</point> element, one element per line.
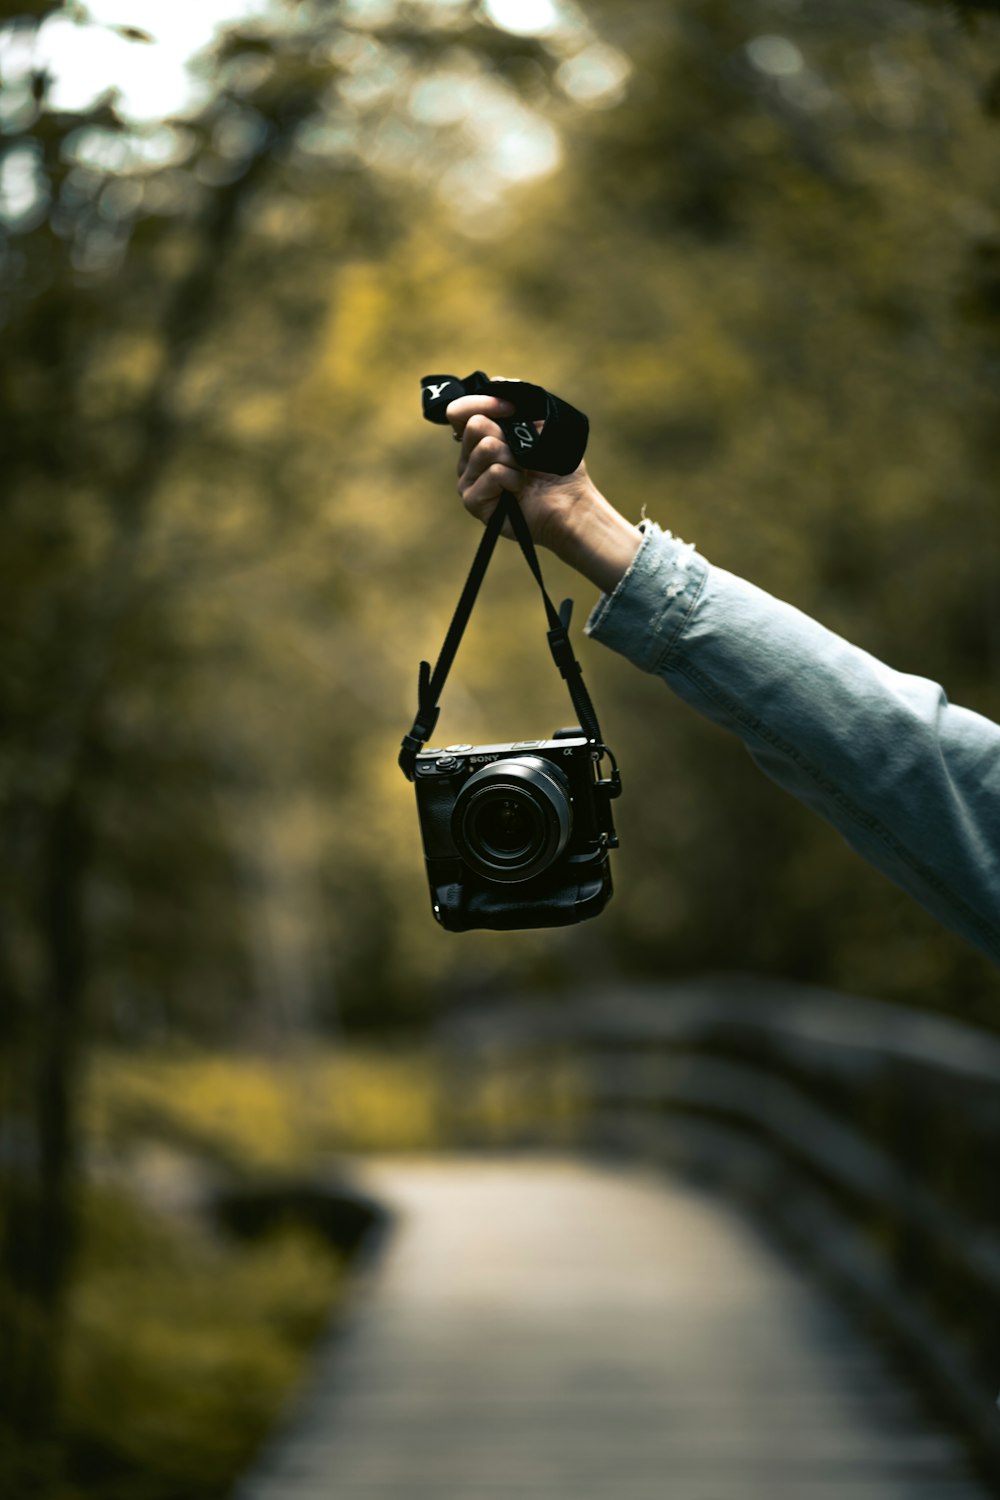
<point>183,1348</point>
<point>184,1344</point>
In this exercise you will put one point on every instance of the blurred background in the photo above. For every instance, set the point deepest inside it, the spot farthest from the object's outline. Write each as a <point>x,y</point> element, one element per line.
<point>760,246</point>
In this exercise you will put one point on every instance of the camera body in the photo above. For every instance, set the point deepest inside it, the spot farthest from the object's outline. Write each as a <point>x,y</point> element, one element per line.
<point>517,835</point>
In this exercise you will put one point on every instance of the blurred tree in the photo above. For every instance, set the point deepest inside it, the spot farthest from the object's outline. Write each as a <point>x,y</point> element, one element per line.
<point>162,287</point>
<point>82,499</point>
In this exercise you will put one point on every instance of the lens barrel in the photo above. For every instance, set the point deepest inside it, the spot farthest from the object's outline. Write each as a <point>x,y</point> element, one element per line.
<point>513,817</point>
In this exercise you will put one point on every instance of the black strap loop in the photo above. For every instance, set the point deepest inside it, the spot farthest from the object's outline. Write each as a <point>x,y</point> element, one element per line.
<point>556,449</point>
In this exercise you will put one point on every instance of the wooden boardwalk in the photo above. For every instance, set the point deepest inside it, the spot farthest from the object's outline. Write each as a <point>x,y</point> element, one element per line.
<point>548,1329</point>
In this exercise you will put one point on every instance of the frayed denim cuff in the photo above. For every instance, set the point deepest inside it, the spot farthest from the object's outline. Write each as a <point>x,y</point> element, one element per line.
<point>648,610</point>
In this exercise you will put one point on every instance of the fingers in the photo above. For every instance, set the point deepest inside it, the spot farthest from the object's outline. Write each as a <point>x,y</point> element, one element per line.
<point>481,493</point>
<point>486,466</point>
<point>460,410</point>
<point>479,430</point>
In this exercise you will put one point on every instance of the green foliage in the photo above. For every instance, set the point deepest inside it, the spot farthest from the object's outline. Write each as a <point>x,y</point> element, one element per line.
<point>287,1115</point>
<point>265,1114</point>
<point>181,1351</point>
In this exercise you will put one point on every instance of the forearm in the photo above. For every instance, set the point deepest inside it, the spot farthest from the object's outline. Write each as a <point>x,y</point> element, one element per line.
<point>595,540</point>
<point>912,782</point>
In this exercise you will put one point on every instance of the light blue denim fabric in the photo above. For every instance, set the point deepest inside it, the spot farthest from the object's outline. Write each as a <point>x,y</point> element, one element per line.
<point>911,781</point>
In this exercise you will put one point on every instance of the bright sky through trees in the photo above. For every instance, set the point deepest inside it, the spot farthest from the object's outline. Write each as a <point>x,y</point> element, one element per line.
<point>524,17</point>
<point>142,56</point>
<point>94,50</point>
<point>89,50</point>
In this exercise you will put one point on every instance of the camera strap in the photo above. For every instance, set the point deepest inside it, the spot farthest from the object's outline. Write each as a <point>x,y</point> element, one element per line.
<point>561,446</point>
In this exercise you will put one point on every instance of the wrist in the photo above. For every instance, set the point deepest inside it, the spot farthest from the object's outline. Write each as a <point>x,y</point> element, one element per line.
<point>596,540</point>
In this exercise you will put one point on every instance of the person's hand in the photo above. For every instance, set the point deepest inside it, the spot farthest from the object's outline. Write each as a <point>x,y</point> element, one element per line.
<point>565,512</point>
<point>486,467</point>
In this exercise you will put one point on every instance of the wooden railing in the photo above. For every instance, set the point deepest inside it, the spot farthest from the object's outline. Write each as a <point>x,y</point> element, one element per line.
<point>866,1135</point>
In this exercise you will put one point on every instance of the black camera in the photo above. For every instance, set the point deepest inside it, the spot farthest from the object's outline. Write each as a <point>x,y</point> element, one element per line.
<point>517,835</point>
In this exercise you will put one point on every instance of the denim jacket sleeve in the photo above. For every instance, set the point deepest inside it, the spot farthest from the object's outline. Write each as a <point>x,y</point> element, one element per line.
<point>910,780</point>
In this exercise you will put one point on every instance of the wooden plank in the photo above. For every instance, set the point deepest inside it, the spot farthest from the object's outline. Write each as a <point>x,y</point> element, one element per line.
<point>547,1327</point>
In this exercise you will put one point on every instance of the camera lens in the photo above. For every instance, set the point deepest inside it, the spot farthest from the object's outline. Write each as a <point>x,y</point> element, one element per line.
<point>506,827</point>
<point>513,818</point>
